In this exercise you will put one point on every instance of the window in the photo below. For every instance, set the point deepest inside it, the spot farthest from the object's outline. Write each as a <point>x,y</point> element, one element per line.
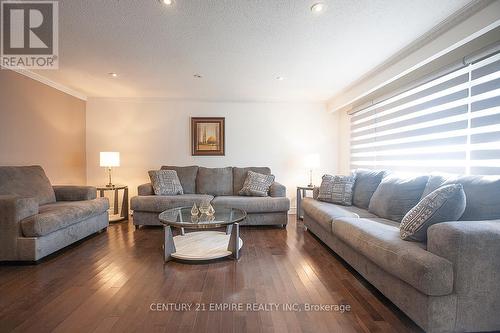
<point>450,124</point>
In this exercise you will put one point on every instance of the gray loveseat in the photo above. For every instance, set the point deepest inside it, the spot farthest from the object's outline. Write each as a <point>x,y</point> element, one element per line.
<point>220,186</point>
<point>449,284</point>
<point>37,219</point>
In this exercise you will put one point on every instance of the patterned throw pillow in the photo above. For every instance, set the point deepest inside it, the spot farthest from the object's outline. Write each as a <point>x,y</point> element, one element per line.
<point>336,189</point>
<point>256,184</point>
<point>447,203</point>
<point>165,182</point>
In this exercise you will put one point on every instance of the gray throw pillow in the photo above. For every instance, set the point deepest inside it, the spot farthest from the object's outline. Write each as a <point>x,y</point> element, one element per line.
<point>447,203</point>
<point>165,182</point>
<point>336,189</point>
<point>256,184</point>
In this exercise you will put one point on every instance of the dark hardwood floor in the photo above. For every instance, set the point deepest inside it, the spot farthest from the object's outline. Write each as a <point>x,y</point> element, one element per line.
<point>109,281</point>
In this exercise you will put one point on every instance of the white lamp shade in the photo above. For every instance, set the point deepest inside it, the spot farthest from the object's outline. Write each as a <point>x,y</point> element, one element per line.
<point>110,159</point>
<point>311,161</point>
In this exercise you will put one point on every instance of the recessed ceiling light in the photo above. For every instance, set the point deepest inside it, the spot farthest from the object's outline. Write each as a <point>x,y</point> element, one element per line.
<point>280,78</point>
<point>167,2</point>
<point>197,76</point>
<point>318,7</point>
<point>113,74</point>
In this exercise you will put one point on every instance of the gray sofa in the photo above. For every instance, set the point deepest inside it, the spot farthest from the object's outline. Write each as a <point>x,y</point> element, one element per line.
<point>37,219</point>
<point>449,284</point>
<point>220,186</point>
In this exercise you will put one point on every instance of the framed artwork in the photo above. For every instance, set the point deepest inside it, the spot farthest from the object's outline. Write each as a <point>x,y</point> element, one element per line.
<point>208,136</point>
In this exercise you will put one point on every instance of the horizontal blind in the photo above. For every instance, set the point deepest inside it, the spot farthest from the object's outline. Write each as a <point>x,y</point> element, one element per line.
<point>450,124</point>
<point>485,117</point>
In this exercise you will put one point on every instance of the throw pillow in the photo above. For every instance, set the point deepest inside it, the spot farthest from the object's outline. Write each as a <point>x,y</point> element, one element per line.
<point>447,203</point>
<point>256,184</point>
<point>336,189</point>
<point>165,182</point>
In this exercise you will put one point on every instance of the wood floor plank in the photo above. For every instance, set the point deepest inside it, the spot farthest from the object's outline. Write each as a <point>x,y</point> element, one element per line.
<point>116,281</point>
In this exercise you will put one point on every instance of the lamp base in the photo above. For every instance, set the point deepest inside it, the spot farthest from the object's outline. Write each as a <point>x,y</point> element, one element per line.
<point>110,183</point>
<point>310,178</point>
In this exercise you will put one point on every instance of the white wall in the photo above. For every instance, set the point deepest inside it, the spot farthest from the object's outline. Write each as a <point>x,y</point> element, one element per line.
<point>151,133</point>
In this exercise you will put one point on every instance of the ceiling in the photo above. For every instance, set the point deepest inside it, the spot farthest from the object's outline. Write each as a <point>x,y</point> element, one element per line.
<point>239,47</point>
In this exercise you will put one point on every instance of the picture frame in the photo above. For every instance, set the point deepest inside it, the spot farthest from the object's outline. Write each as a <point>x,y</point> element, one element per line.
<point>208,136</point>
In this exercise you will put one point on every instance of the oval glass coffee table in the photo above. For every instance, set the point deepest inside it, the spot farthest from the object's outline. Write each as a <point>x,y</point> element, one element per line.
<point>202,245</point>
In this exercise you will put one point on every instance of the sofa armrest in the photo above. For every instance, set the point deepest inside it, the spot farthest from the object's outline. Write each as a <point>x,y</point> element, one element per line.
<point>12,210</point>
<point>473,247</point>
<point>74,193</point>
<point>145,189</point>
<point>277,190</point>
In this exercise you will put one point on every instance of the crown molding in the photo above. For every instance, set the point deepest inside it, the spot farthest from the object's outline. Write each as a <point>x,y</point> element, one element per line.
<point>48,82</point>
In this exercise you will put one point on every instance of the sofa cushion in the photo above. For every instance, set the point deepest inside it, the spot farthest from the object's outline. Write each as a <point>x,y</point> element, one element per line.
<point>325,212</point>
<point>395,196</point>
<point>365,185</point>
<point>253,204</point>
<point>378,240</point>
<point>59,215</point>
<point>483,196</point>
<point>240,175</point>
<point>26,182</point>
<point>256,184</point>
<point>433,183</point>
<point>165,182</point>
<point>336,189</point>
<point>187,176</point>
<point>215,181</point>
<point>160,203</point>
<point>445,204</point>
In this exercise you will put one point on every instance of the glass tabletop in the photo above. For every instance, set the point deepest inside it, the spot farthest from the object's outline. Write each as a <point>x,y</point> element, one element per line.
<point>181,217</point>
<point>109,188</point>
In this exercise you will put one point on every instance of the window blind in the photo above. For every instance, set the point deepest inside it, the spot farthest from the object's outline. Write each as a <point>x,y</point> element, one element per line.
<point>450,124</point>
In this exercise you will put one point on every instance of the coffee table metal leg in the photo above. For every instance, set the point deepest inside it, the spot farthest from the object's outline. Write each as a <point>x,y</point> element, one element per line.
<point>229,228</point>
<point>169,246</point>
<point>234,241</point>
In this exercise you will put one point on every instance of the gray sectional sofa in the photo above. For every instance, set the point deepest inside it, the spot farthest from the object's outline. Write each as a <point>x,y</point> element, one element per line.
<point>37,219</point>
<point>220,186</point>
<point>449,284</point>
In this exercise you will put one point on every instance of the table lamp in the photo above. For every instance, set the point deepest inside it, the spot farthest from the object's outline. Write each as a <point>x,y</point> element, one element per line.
<point>311,162</point>
<point>110,159</point>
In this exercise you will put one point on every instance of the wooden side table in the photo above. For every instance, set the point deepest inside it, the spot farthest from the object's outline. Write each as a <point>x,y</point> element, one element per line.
<point>301,193</point>
<point>124,211</point>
